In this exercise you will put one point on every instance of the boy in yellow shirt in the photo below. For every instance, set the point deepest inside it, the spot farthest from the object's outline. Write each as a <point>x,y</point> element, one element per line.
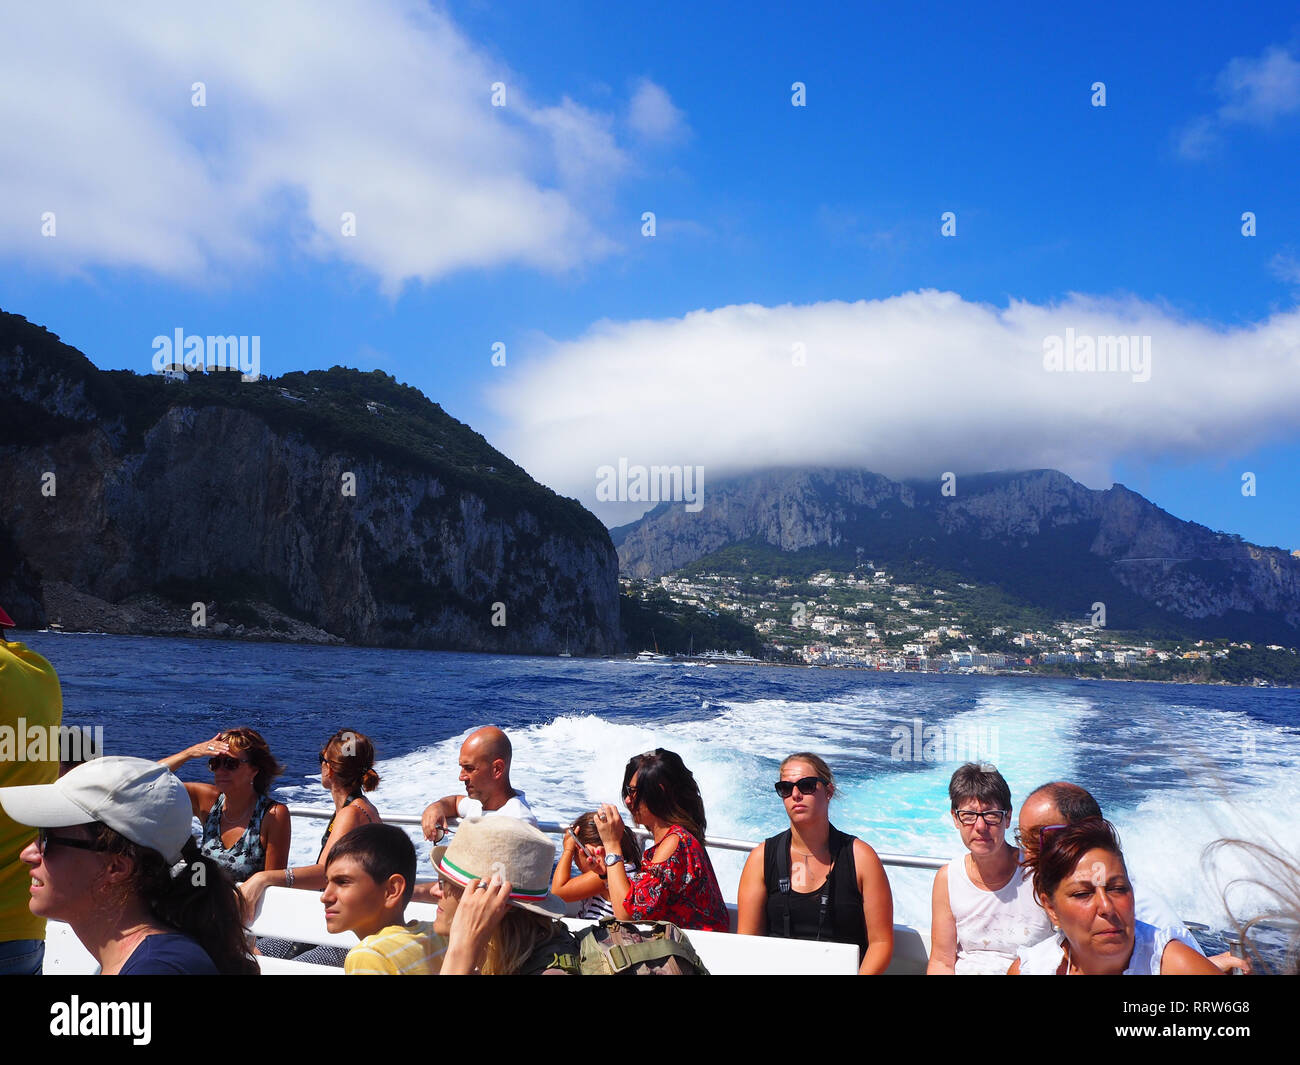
<point>369,879</point>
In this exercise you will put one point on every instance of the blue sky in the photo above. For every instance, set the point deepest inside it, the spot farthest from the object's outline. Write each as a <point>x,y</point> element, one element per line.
<point>777,228</point>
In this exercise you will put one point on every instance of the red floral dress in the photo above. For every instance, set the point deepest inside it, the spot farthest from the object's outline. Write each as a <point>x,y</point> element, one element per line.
<point>682,889</point>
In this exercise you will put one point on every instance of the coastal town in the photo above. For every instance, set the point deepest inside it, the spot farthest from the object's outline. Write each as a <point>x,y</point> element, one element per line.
<point>870,619</point>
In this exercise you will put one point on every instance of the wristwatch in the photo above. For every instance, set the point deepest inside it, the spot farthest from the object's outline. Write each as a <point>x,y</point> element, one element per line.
<point>612,860</point>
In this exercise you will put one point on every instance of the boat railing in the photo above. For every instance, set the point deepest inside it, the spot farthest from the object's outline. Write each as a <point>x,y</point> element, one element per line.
<point>556,828</point>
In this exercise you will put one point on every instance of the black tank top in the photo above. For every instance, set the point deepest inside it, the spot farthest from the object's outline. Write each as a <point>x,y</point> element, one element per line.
<point>833,912</point>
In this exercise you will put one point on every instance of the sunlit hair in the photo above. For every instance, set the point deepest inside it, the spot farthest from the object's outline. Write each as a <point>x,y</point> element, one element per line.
<point>820,768</point>
<point>1278,877</point>
<point>202,902</point>
<point>351,758</point>
<point>667,789</point>
<point>520,933</point>
<point>585,829</point>
<point>1061,849</point>
<point>979,782</point>
<point>248,743</point>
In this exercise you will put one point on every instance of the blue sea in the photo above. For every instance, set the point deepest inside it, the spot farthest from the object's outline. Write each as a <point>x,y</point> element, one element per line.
<point>1176,767</point>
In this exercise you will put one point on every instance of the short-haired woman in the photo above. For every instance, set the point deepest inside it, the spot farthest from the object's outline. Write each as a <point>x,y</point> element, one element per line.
<point>982,907</point>
<point>114,859</point>
<point>1082,883</point>
<point>813,881</point>
<point>676,882</point>
<point>244,830</point>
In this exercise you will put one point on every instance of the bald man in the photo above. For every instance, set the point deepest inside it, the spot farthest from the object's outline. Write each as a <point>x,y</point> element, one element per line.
<point>1064,803</point>
<point>485,772</point>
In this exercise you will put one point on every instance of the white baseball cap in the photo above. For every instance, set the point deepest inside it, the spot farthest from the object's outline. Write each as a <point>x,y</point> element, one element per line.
<point>141,800</point>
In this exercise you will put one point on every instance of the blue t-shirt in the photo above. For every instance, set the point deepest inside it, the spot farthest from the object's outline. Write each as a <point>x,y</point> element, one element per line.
<point>168,954</point>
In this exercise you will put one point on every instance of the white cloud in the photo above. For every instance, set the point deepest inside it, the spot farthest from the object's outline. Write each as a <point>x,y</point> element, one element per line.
<point>1260,90</point>
<point>1286,267</point>
<point>653,116</point>
<point>1255,91</point>
<point>312,110</point>
<point>913,385</point>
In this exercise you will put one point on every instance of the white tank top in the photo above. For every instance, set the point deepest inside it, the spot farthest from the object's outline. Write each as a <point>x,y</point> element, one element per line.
<point>993,925</point>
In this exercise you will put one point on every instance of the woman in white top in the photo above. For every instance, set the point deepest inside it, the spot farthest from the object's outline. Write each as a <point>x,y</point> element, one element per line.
<point>983,907</point>
<point>1083,885</point>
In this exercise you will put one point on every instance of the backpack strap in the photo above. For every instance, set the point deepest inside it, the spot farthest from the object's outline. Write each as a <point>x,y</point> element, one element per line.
<point>604,960</point>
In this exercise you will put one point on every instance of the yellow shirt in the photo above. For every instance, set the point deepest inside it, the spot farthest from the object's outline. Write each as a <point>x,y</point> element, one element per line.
<point>31,709</point>
<point>413,950</point>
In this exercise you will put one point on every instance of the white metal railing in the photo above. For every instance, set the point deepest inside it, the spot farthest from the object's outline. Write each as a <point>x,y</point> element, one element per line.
<point>722,843</point>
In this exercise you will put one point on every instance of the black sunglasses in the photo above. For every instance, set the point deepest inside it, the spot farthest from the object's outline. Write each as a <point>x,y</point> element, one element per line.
<point>806,786</point>
<point>44,839</point>
<point>989,817</point>
<point>224,761</point>
<point>629,792</point>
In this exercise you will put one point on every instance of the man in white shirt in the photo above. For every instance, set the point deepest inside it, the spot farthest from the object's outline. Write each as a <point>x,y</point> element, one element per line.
<point>485,771</point>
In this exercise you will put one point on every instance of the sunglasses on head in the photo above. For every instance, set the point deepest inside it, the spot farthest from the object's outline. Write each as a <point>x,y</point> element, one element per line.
<point>1040,830</point>
<point>224,761</point>
<point>806,786</point>
<point>44,839</point>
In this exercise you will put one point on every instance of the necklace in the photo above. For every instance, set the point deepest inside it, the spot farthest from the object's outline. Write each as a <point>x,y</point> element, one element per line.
<point>227,818</point>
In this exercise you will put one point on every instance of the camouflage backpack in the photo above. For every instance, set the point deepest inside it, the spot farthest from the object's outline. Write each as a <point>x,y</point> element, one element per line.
<point>633,948</point>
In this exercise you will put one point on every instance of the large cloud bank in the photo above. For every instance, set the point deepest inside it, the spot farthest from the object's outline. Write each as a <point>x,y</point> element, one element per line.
<point>910,386</point>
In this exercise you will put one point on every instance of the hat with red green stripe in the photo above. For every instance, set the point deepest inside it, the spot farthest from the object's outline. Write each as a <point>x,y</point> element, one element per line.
<point>499,843</point>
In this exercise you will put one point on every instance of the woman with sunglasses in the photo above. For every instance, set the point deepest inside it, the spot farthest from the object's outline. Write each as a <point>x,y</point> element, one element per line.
<point>347,768</point>
<point>1082,884</point>
<point>676,882</point>
<point>983,907</point>
<point>244,829</point>
<point>813,881</point>
<point>114,858</point>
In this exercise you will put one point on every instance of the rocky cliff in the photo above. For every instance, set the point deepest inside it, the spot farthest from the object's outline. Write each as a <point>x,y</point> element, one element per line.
<point>1042,536</point>
<point>323,505</point>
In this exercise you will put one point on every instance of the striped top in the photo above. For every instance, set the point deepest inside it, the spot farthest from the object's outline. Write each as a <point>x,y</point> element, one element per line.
<point>413,950</point>
<point>598,907</point>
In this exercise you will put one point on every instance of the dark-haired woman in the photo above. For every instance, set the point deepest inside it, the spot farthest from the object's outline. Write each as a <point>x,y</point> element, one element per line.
<point>347,769</point>
<point>813,881</point>
<point>1082,883</point>
<point>114,859</point>
<point>676,882</point>
<point>244,830</point>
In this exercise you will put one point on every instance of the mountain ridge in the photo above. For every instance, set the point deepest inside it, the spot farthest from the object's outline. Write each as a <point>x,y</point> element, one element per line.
<point>1057,543</point>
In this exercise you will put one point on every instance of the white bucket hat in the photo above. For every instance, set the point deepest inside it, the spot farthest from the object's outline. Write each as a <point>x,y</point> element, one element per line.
<point>521,853</point>
<point>138,799</point>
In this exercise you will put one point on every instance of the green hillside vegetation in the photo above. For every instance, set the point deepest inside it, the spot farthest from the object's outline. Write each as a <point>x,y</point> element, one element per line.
<point>651,618</point>
<point>329,410</point>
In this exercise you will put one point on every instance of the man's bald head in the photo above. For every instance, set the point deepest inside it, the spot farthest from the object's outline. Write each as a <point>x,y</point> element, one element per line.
<point>1057,803</point>
<point>485,766</point>
<point>492,743</point>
